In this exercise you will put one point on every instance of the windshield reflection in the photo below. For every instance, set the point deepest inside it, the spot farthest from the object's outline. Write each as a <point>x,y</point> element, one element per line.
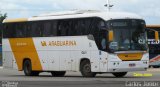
<point>129,35</point>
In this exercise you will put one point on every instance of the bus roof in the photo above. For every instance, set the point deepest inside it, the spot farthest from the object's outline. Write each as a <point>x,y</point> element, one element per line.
<point>15,20</point>
<point>78,14</point>
<point>153,26</point>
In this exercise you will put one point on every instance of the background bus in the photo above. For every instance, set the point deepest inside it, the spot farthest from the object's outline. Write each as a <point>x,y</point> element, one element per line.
<point>91,42</point>
<point>154,46</point>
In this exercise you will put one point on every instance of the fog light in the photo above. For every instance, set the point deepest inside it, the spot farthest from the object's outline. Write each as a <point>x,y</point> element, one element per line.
<point>144,62</point>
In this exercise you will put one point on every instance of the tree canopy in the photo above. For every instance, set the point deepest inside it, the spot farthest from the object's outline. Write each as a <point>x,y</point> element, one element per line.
<point>2,16</point>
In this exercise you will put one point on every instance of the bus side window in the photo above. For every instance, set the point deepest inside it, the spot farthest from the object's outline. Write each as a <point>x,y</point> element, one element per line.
<point>59,27</point>
<point>54,28</point>
<point>74,28</point>
<point>46,28</point>
<point>87,28</point>
<point>81,27</point>
<point>11,30</point>
<point>31,29</point>
<point>35,30</point>
<point>25,27</point>
<point>99,33</point>
<point>95,31</point>
<point>5,33</point>
<point>63,27</point>
<point>28,29</point>
<point>71,27</point>
<point>20,30</point>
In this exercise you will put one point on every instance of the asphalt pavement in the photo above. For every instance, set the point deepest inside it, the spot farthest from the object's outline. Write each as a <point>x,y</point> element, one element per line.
<point>14,78</point>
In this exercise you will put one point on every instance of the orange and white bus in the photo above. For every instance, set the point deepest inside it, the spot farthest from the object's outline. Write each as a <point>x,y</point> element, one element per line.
<point>92,42</point>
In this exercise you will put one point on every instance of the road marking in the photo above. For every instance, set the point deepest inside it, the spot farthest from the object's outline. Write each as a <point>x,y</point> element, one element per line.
<point>1,67</point>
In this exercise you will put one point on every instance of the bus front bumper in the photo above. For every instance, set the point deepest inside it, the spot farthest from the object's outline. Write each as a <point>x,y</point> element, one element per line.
<point>128,66</point>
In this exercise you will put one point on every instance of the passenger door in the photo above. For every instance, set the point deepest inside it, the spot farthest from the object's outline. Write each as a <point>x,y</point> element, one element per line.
<point>103,61</point>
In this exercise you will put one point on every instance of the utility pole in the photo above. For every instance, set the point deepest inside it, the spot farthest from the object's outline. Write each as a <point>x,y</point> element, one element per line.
<point>108,5</point>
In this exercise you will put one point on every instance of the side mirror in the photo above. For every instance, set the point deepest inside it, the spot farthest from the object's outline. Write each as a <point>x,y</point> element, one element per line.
<point>111,36</point>
<point>156,35</point>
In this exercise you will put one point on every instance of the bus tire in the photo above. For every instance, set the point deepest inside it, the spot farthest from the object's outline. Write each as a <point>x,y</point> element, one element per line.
<point>85,68</point>
<point>27,67</point>
<point>119,74</point>
<point>155,66</point>
<point>58,73</point>
<point>35,73</point>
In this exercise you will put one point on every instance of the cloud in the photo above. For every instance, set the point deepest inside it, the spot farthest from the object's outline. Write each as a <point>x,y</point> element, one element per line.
<point>149,9</point>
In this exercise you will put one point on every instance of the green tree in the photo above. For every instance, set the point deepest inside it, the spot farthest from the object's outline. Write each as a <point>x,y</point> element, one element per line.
<point>2,17</point>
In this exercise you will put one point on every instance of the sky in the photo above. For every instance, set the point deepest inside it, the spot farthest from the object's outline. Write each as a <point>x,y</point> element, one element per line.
<point>148,9</point>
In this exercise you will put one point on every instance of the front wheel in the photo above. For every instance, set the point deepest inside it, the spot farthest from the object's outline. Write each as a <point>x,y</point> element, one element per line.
<point>119,74</point>
<point>156,66</point>
<point>85,69</point>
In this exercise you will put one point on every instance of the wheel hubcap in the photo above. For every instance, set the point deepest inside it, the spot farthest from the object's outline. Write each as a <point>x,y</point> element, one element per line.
<point>27,68</point>
<point>87,68</point>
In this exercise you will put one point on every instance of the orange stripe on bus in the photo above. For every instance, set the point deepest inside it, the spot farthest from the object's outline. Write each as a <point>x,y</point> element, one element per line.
<point>130,56</point>
<point>24,48</point>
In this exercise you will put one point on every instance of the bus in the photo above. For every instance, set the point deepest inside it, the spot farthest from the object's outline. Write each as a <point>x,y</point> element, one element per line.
<point>154,46</point>
<point>87,41</point>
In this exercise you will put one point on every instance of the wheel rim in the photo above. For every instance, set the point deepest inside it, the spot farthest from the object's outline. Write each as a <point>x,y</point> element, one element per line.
<point>27,68</point>
<point>87,68</point>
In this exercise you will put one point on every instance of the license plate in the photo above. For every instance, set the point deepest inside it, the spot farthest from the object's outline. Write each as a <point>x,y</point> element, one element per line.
<point>132,65</point>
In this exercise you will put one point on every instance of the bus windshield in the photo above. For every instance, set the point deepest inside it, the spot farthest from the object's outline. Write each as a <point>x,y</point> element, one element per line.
<point>129,35</point>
